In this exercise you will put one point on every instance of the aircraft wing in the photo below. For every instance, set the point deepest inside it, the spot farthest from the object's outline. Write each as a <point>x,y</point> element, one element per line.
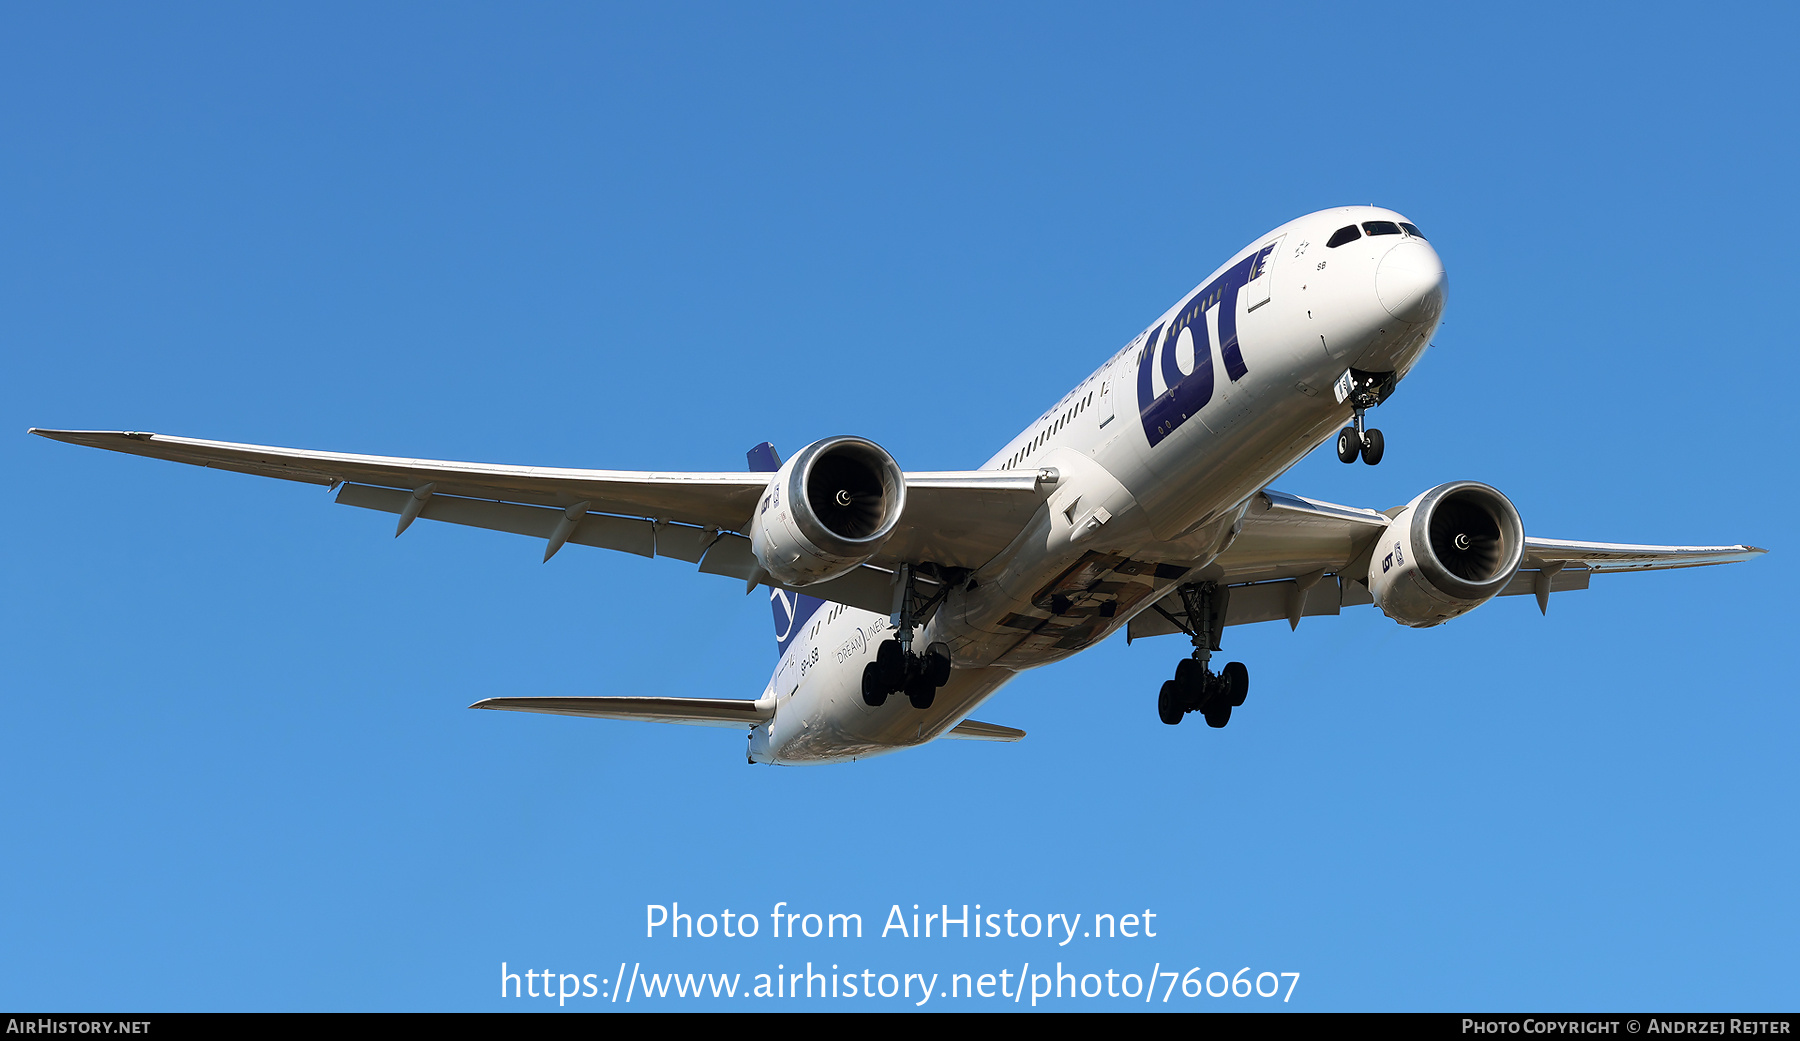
<point>955,519</point>
<point>1295,557</point>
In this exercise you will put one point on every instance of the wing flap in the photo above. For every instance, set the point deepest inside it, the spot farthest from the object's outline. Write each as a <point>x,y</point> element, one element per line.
<point>1562,581</point>
<point>602,531</point>
<point>865,587</point>
<point>683,541</point>
<point>1284,536</point>
<point>962,518</point>
<point>1245,605</point>
<point>732,713</point>
<point>869,588</point>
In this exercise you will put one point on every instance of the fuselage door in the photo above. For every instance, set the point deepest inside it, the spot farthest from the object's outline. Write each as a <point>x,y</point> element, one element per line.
<point>1118,373</point>
<point>1256,291</point>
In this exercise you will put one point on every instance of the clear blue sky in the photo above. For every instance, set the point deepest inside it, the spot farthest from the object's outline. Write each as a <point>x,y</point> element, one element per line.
<point>238,769</point>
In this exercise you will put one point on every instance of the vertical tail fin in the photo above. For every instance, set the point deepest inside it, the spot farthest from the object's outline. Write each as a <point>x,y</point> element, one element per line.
<point>792,610</point>
<point>763,458</point>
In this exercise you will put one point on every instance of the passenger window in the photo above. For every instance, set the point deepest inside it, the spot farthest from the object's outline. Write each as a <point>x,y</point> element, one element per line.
<point>1343,235</point>
<point>1413,230</point>
<point>1381,227</point>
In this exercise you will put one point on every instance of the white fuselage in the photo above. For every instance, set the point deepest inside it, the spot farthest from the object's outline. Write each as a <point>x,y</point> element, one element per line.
<point>1157,453</point>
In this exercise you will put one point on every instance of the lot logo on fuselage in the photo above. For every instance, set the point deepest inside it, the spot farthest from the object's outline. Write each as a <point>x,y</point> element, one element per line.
<point>1184,392</point>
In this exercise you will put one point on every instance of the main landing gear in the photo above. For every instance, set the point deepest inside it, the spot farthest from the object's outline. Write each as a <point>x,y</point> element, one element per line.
<point>894,671</point>
<point>1196,688</point>
<point>896,668</point>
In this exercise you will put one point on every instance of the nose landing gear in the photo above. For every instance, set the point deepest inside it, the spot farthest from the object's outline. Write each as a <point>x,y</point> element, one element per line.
<point>1364,390</point>
<point>1196,688</point>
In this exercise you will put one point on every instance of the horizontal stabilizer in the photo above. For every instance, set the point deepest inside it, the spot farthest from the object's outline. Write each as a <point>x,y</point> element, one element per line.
<point>970,730</point>
<point>732,713</point>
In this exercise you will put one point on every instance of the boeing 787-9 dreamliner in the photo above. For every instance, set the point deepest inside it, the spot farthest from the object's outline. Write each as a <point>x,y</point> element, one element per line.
<point>1140,501</point>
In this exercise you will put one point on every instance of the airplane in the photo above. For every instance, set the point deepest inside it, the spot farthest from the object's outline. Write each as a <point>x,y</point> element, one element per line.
<point>903,601</point>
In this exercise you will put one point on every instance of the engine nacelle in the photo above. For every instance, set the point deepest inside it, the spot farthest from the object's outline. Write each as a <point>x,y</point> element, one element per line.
<point>827,510</point>
<point>1448,552</point>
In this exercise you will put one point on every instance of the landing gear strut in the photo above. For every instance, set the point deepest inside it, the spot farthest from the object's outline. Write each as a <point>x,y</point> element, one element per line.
<point>1196,688</point>
<point>896,668</point>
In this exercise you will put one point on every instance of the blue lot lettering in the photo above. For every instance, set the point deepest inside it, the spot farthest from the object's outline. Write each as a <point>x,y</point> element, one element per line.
<point>1188,393</point>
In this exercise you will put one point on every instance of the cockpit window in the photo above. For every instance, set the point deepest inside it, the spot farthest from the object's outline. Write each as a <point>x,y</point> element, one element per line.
<point>1343,235</point>
<point>1381,227</point>
<point>1413,230</point>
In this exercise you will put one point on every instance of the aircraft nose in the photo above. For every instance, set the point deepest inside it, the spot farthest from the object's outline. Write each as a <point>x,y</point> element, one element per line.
<point>1410,282</point>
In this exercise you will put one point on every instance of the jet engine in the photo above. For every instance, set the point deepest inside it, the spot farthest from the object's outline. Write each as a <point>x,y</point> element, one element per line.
<point>1448,552</point>
<point>827,510</point>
